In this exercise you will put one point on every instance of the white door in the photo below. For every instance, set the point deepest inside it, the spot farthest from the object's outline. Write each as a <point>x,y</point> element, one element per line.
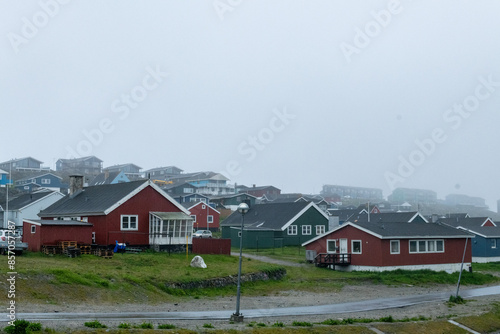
<point>343,249</point>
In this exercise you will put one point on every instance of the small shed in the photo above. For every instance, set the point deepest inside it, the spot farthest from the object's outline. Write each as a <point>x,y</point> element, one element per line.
<point>49,232</point>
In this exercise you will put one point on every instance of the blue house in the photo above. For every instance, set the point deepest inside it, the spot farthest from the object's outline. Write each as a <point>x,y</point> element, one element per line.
<point>47,181</point>
<point>4,178</point>
<point>486,244</point>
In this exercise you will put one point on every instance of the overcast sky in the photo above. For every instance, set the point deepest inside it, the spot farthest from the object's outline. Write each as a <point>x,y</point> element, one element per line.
<point>296,94</point>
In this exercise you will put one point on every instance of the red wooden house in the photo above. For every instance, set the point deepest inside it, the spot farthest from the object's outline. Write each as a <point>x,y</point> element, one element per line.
<point>204,216</point>
<point>389,245</point>
<point>124,212</point>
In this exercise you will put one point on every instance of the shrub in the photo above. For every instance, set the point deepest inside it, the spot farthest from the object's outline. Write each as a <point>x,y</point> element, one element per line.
<point>146,325</point>
<point>166,326</point>
<point>456,300</point>
<point>278,324</point>
<point>19,326</point>
<point>208,326</point>
<point>387,319</point>
<point>302,323</point>
<point>124,325</point>
<point>94,324</point>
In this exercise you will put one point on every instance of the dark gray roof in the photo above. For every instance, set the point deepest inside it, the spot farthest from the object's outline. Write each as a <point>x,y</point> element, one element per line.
<point>26,199</point>
<point>343,214</point>
<point>457,221</point>
<point>473,225</point>
<point>93,200</point>
<point>102,179</point>
<point>411,230</point>
<point>271,216</point>
<point>59,222</point>
<point>386,217</point>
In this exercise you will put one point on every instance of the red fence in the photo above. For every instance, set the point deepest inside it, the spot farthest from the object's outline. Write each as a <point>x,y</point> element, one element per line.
<point>211,246</point>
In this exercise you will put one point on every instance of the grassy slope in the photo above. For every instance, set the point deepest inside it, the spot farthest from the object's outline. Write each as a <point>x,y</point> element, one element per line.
<point>142,278</point>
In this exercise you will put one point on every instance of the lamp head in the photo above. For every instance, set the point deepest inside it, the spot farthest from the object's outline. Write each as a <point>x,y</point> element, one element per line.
<point>243,208</point>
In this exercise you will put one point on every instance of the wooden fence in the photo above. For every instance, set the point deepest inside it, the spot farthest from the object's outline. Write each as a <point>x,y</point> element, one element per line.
<point>211,246</point>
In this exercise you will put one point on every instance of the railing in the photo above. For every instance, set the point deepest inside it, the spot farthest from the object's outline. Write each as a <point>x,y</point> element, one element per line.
<point>328,259</point>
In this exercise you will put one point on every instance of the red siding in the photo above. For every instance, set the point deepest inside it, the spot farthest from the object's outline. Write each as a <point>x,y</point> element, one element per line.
<point>488,223</point>
<point>211,246</point>
<point>52,234</point>
<point>201,217</point>
<point>141,204</point>
<point>376,252</point>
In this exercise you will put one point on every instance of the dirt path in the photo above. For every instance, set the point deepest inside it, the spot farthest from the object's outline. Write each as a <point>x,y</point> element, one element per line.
<point>270,260</point>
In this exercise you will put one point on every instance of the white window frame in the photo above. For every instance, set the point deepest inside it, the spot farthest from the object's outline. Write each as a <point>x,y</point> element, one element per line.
<point>493,243</point>
<point>292,230</point>
<point>210,219</point>
<point>360,247</point>
<point>320,229</point>
<point>399,247</point>
<point>194,218</point>
<point>328,250</point>
<point>423,246</point>
<point>33,228</point>
<point>306,230</point>
<point>45,181</point>
<point>129,228</point>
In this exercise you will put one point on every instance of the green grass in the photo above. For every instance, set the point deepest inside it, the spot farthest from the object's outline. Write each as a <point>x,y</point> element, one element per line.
<point>145,278</point>
<point>486,323</point>
<point>492,266</point>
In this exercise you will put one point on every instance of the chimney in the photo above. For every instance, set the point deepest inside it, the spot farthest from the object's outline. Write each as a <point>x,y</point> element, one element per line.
<point>75,184</point>
<point>106,174</point>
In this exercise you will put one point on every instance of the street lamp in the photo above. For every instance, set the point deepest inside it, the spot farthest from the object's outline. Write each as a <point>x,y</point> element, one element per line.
<point>237,316</point>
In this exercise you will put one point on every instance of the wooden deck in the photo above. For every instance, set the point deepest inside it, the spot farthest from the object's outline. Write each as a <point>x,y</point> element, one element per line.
<point>326,260</point>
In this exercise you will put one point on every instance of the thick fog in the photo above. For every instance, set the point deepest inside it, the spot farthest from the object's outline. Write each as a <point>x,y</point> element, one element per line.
<point>295,94</point>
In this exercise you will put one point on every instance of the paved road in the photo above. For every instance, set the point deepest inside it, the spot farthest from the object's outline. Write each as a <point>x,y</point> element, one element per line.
<point>367,305</point>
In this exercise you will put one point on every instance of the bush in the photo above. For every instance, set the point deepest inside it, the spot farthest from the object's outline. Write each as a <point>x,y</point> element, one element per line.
<point>208,326</point>
<point>94,324</point>
<point>19,327</point>
<point>301,323</point>
<point>124,325</point>
<point>278,324</point>
<point>146,325</point>
<point>456,300</point>
<point>166,326</point>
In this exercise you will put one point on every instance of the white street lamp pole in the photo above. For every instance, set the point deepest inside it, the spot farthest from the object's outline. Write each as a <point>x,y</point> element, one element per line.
<point>237,316</point>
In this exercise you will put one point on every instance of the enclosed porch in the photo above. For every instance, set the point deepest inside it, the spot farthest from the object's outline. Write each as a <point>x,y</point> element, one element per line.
<point>170,228</point>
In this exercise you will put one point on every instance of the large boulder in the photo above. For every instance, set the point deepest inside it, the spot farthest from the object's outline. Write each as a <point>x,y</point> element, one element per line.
<point>197,262</point>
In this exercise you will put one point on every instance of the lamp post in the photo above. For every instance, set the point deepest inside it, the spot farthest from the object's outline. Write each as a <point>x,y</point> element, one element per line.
<point>237,316</point>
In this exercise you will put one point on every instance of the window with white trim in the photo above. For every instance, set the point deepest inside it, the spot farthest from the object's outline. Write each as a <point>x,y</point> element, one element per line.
<point>129,223</point>
<point>427,246</point>
<point>210,219</point>
<point>356,246</point>
<point>306,229</point>
<point>33,228</point>
<point>331,246</point>
<point>45,181</point>
<point>292,230</point>
<point>394,246</point>
<point>194,218</point>
<point>320,229</point>
<point>493,243</point>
